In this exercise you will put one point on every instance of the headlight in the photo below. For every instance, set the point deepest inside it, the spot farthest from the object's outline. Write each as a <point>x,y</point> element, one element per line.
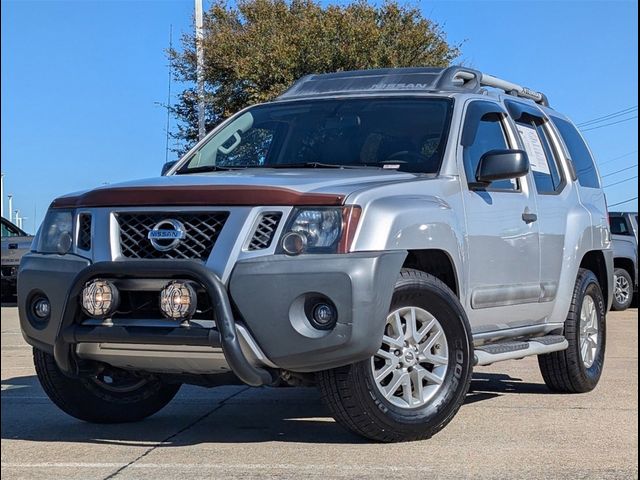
<point>56,232</point>
<point>319,230</point>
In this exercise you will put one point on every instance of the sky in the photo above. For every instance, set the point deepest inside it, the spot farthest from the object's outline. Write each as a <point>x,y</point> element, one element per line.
<point>83,83</point>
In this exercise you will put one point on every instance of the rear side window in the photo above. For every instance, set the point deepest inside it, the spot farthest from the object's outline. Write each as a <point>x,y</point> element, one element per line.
<point>619,225</point>
<point>580,156</point>
<point>489,136</point>
<point>543,163</point>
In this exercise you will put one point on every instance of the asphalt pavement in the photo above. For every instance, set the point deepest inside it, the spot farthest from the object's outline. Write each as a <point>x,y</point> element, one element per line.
<point>511,426</point>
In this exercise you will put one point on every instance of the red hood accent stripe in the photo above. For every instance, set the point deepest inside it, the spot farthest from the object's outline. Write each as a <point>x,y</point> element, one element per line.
<point>192,195</point>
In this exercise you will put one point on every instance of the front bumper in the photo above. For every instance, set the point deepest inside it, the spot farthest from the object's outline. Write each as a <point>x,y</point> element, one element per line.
<point>266,293</point>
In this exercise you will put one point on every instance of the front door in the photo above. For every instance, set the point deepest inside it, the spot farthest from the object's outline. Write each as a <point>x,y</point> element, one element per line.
<point>503,264</point>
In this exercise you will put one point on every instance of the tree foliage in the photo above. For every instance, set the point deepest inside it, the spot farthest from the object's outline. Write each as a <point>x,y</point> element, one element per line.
<point>256,50</point>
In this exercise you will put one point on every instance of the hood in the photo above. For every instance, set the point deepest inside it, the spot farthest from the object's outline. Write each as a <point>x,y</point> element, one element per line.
<point>253,186</point>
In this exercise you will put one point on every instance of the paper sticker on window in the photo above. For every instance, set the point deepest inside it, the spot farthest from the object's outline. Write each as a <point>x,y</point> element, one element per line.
<point>534,149</point>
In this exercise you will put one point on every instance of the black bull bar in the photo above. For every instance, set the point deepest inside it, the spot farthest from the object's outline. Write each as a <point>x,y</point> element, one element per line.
<point>224,335</point>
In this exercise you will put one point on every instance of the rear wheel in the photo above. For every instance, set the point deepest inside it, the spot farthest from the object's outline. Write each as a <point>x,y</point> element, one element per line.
<point>623,290</point>
<point>578,368</point>
<point>416,382</point>
<point>112,396</point>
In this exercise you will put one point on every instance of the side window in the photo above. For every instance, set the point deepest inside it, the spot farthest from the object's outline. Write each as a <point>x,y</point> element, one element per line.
<point>619,225</point>
<point>489,135</point>
<point>544,165</point>
<point>580,156</point>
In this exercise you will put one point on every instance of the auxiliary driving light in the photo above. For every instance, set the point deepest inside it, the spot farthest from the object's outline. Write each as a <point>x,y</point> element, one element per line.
<point>178,301</point>
<point>100,298</point>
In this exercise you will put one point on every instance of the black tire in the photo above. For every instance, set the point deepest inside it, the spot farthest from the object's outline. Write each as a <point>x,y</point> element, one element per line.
<point>621,305</point>
<point>565,371</point>
<point>94,401</point>
<point>357,404</point>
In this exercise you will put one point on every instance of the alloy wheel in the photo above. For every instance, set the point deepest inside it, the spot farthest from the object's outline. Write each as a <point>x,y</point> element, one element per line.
<point>411,365</point>
<point>589,331</point>
<point>622,289</point>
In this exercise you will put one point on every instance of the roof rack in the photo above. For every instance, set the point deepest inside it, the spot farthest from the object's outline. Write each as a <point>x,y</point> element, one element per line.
<point>419,79</point>
<point>469,78</point>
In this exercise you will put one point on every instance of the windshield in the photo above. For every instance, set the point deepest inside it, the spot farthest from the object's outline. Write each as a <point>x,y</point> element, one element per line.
<point>10,230</point>
<point>401,133</point>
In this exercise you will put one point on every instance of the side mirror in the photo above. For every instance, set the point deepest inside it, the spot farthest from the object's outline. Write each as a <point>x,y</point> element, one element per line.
<point>167,166</point>
<point>502,165</point>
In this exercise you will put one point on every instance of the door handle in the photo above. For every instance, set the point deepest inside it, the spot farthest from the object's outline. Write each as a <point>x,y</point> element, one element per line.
<point>529,218</point>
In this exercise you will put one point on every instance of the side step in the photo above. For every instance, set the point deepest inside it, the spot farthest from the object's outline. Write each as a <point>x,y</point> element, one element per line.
<point>498,352</point>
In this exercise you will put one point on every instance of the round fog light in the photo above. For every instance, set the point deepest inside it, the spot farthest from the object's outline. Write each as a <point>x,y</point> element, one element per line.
<point>42,308</point>
<point>178,301</point>
<point>294,243</point>
<point>100,298</point>
<point>324,316</point>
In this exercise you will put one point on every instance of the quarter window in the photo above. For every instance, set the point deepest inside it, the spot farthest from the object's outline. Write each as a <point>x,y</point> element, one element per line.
<point>490,135</point>
<point>579,153</point>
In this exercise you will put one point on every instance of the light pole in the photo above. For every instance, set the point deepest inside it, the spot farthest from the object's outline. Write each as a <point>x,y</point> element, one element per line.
<point>200,68</point>
<point>2,195</point>
<point>10,197</point>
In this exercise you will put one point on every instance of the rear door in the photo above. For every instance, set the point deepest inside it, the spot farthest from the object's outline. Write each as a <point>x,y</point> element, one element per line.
<point>503,265</point>
<point>554,196</point>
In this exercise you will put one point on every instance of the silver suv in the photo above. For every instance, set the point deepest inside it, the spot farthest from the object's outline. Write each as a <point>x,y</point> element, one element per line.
<point>377,233</point>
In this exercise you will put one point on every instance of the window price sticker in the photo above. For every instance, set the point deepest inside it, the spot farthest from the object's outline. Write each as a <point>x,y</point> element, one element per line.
<point>534,149</point>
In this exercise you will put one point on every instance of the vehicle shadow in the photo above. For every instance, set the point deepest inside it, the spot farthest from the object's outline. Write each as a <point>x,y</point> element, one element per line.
<point>485,386</point>
<point>195,416</point>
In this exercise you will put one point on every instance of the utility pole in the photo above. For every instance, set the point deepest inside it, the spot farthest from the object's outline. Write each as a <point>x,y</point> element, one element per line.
<point>10,207</point>
<point>166,147</point>
<point>200,67</point>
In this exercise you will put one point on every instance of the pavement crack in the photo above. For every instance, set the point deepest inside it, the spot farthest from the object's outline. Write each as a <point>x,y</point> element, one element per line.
<point>179,432</point>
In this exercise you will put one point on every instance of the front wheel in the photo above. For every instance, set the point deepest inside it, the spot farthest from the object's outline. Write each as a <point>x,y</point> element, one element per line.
<point>113,396</point>
<point>416,382</point>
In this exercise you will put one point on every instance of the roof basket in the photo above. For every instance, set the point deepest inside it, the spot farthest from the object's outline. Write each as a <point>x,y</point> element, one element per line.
<point>406,80</point>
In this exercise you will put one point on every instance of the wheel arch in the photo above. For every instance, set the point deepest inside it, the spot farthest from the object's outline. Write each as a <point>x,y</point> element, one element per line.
<point>596,262</point>
<point>627,264</point>
<point>437,263</point>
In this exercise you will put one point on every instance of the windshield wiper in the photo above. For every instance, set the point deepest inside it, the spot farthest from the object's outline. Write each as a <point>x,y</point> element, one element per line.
<point>318,165</point>
<point>209,168</point>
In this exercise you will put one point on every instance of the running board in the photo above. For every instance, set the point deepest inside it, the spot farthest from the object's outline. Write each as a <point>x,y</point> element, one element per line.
<point>498,352</point>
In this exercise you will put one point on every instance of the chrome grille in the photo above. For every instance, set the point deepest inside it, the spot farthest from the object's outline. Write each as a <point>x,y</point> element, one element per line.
<point>201,231</point>
<point>265,231</point>
<point>84,231</point>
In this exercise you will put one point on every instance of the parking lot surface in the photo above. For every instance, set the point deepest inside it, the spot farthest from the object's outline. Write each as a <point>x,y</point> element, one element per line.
<point>510,427</point>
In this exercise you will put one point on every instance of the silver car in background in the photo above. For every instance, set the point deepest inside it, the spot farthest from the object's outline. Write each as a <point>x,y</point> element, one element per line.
<point>624,232</point>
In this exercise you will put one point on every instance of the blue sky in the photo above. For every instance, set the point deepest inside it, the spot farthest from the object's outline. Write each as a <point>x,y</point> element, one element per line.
<point>81,82</point>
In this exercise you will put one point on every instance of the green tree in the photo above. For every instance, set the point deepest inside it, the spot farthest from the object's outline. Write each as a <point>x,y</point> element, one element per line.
<point>255,51</point>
